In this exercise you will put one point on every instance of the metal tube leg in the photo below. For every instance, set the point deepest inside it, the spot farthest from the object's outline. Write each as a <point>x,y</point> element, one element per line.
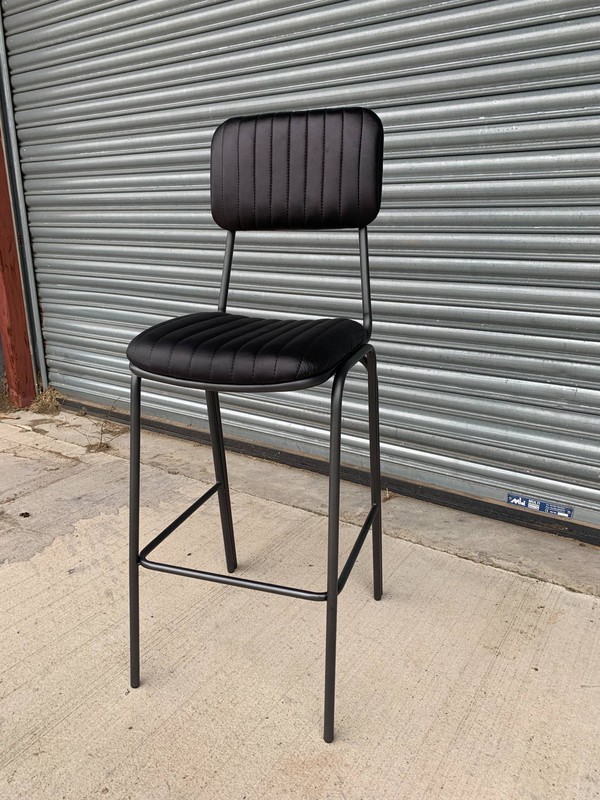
<point>134,530</point>
<point>218,448</point>
<point>374,453</point>
<point>333,553</point>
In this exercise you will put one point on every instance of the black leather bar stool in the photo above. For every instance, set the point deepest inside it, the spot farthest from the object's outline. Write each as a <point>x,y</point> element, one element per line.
<point>286,171</point>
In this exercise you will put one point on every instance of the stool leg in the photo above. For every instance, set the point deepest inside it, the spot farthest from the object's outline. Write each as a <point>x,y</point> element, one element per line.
<point>375,459</point>
<point>333,553</point>
<point>134,530</point>
<point>218,448</point>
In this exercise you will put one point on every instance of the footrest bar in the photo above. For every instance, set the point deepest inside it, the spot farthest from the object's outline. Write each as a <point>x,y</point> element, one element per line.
<point>360,540</point>
<point>245,583</point>
<point>176,523</point>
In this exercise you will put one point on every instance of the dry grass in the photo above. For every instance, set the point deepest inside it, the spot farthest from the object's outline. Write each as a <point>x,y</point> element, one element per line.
<point>6,407</point>
<point>107,431</point>
<point>47,402</point>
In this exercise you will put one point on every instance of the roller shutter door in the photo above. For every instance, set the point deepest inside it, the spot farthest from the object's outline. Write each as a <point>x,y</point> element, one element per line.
<point>484,258</point>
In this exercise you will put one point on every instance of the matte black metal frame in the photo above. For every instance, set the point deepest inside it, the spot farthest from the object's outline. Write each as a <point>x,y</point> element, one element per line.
<point>336,579</point>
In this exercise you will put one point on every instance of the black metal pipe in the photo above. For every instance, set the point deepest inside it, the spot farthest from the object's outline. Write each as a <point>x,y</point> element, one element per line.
<point>365,281</point>
<point>244,583</point>
<point>134,531</point>
<point>218,450</point>
<point>177,522</point>
<point>333,551</point>
<point>227,260</point>
<point>360,540</point>
<point>375,464</point>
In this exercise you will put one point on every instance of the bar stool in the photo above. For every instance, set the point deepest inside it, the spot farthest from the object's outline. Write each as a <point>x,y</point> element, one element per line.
<point>306,170</point>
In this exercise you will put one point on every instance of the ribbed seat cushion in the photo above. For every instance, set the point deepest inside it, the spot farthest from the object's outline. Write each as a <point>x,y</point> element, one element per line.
<point>235,350</point>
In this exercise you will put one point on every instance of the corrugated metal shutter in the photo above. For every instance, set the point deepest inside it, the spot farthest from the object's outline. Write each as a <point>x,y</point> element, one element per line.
<point>485,256</point>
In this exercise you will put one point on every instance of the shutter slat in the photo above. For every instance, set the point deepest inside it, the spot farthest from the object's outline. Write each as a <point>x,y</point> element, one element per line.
<point>485,258</point>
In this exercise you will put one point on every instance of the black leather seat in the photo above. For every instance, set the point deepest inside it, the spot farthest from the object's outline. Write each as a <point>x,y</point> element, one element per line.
<point>229,349</point>
<point>303,170</point>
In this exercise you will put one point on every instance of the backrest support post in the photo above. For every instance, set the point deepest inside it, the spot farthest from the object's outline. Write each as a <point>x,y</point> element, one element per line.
<point>365,280</point>
<point>227,260</point>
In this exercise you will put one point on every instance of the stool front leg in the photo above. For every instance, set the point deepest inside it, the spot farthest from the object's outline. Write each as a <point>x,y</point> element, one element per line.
<point>333,536</point>
<point>134,530</point>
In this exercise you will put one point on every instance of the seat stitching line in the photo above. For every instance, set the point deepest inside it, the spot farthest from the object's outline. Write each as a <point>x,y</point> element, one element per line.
<point>289,139</point>
<point>271,176</point>
<point>239,349</point>
<point>305,164</point>
<point>187,326</point>
<point>192,324</point>
<point>341,170</point>
<point>254,172</point>
<point>228,342</point>
<point>305,326</point>
<point>269,341</point>
<point>216,331</point>
<point>159,339</point>
<point>323,162</point>
<point>170,352</point>
<point>223,170</point>
<point>328,328</point>
<point>362,121</point>
<point>239,219</point>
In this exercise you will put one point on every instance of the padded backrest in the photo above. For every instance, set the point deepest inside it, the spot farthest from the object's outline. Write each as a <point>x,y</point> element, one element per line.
<point>306,169</point>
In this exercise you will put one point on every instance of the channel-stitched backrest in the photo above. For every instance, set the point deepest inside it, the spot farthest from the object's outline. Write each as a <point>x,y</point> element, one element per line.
<point>307,169</point>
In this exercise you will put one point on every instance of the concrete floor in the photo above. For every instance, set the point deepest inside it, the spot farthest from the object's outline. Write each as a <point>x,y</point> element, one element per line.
<point>470,679</point>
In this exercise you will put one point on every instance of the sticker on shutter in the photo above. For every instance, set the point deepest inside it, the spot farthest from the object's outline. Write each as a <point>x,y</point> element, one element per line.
<point>533,504</point>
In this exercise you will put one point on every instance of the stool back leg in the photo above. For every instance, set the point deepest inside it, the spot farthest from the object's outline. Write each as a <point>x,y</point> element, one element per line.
<point>375,461</point>
<point>218,449</point>
<point>333,552</point>
<point>134,530</point>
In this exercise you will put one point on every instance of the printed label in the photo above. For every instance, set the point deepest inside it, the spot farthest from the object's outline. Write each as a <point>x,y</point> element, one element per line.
<point>533,504</point>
